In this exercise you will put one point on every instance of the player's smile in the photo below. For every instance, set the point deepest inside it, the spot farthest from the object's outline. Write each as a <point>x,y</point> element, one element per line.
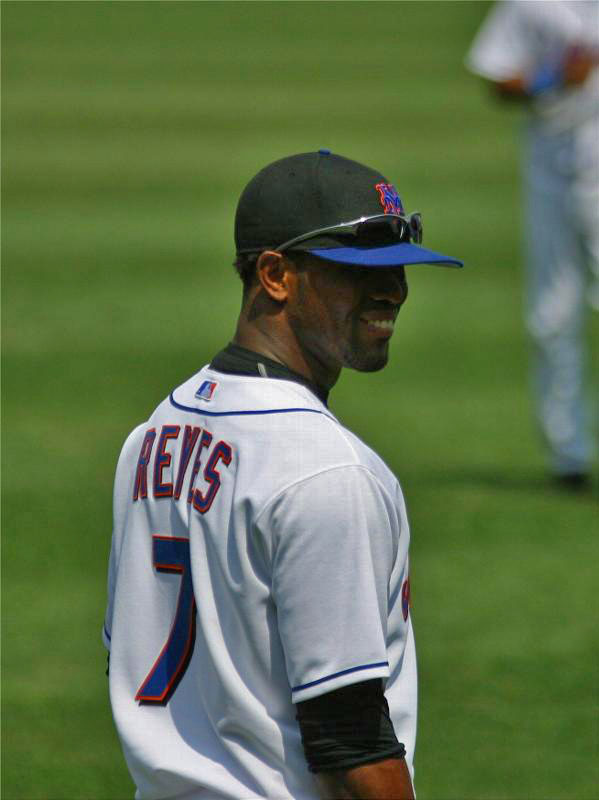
<point>380,322</point>
<point>380,309</point>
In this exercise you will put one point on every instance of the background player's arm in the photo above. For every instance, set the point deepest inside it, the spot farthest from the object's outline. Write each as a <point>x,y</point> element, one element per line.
<point>383,780</point>
<point>570,71</point>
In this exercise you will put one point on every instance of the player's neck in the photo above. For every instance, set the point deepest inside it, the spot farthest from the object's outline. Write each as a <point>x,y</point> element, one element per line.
<point>282,346</point>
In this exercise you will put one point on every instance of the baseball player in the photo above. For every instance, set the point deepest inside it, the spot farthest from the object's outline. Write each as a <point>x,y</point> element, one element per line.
<point>546,55</point>
<point>258,616</point>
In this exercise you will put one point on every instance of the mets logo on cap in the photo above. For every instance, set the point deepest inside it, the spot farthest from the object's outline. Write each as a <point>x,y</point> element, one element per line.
<point>389,198</point>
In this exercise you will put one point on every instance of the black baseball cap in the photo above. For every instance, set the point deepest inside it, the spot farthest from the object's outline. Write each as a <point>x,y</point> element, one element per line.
<point>333,208</point>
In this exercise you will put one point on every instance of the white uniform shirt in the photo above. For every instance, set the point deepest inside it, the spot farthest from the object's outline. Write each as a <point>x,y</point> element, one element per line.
<point>280,575</point>
<point>521,36</point>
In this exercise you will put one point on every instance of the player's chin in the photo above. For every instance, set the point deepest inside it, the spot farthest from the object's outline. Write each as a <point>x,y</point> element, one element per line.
<point>370,360</point>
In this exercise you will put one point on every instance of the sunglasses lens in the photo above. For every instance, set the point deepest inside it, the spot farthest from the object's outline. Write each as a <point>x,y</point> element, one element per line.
<point>416,228</point>
<point>382,231</point>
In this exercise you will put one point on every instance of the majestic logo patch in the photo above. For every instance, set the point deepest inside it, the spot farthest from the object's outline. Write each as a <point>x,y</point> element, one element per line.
<point>389,198</point>
<point>206,390</point>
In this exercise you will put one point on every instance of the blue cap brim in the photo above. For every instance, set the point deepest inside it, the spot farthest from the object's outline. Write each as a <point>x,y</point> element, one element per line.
<point>395,255</point>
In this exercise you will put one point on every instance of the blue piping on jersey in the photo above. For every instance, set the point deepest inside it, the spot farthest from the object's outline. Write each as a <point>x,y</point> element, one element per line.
<point>337,674</point>
<point>107,634</point>
<point>239,413</point>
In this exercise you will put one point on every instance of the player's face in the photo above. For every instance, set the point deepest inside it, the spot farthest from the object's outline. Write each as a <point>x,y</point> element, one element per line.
<point>344,316</point>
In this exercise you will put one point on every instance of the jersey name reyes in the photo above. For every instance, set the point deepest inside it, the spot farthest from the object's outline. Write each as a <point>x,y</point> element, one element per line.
<point>158,474</point>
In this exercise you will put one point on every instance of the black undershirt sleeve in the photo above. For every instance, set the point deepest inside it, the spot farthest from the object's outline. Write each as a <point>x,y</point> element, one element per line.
<point>348,727</point>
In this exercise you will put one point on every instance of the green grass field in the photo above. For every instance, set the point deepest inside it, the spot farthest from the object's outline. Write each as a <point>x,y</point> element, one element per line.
<point>129,129</point>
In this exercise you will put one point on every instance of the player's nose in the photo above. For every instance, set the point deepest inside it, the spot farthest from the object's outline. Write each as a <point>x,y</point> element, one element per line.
<point>390,285</point>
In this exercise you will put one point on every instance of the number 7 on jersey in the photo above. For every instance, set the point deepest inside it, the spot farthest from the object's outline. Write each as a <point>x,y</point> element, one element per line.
<point>171,554</point>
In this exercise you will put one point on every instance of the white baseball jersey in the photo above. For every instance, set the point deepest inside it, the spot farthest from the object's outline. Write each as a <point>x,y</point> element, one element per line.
<point>259,558</point>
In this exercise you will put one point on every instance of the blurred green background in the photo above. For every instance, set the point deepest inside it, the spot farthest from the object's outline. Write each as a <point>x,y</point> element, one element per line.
<point>128,132</point>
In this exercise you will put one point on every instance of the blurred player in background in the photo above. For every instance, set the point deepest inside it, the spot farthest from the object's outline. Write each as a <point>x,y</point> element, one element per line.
<point>258,615</point>
<point>546,55</point>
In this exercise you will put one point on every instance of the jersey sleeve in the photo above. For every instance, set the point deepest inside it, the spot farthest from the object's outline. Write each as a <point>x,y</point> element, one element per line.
<point>333,541</point>
<point>503,47</point>
<point>518,38</point>
<point>122,488</point>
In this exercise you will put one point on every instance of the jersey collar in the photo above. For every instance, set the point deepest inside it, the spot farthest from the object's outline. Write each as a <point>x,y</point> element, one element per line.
<point>237,360</point>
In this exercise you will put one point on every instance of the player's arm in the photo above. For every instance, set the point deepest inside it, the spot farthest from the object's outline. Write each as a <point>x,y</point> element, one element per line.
<point>569,71</point>
<point>384,780</point>
<point>350,744</point>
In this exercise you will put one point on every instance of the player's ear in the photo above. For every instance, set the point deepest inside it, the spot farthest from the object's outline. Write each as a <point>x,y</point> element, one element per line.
<point>273,270</point>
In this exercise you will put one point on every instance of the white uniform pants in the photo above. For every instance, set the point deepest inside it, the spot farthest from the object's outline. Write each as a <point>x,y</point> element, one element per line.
<point>562,238</point>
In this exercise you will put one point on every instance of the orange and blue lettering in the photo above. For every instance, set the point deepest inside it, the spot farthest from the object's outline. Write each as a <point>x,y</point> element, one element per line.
<point>205,441</point>
<point>140,487</point>
<point>162,459</point>
<point>405,598</point>
<point>190,437</point>
<point>389,198</point>
<point>222,452</point>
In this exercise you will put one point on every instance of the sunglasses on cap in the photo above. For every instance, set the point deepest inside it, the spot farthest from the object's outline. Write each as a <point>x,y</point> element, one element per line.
<point>377,230</point>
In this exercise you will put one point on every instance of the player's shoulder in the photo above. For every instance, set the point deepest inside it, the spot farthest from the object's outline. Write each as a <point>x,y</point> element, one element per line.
<point>369,459</point>
<point>275,411</point>
<point>227,398</point>
<point>279,427</point>
<point>269,420</point>
<point>211,393</point>
<point>132,443</point>
<point>545,17</point>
